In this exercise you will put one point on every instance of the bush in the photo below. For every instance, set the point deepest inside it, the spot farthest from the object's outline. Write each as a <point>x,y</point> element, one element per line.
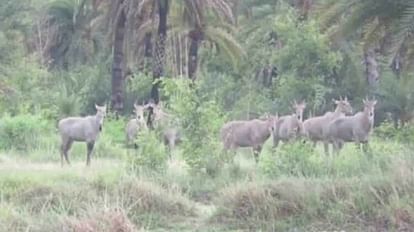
<point>296,159</point>
<point>151,154</point>
<point>22,132</point>
<point>201,120</point>
<point>84,87</point>
<point>403,134</point>
<point>112,139</point>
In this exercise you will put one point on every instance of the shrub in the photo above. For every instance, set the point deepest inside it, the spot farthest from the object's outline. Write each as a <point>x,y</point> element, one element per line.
<point>201,120</point>
<point>111,141</point>
<point>296,159</point>
<point>403,134</point>
<point>22,132</point>
<point>151,154</point>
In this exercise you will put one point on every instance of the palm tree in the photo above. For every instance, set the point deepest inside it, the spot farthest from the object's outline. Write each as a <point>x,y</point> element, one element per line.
<point>117,97</point>
<point>261,38</point>
<point>127,21</point>
<point>159,52</point>
<point>385,27</point>
<point>13,26</point>
<point>64,35</point>
<point>207,20</point>
<point>195,16</point>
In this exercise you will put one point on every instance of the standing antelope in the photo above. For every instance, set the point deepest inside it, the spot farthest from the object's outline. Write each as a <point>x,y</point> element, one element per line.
<point>356,128</point>
<point>135,125</point>
<point>289,127</point>
<point>247,133</point>
<point>315,126</point>
<point>81,129</point>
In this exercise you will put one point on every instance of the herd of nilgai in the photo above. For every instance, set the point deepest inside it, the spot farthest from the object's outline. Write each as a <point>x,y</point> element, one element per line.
<point>335,128</point>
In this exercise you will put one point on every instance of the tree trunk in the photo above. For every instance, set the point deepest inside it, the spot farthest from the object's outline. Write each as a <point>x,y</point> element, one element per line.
<point>146,62</point>
<point>193,59</point>
<point>117,98</point>
<point>148,45</point>
<point>148,42</point>
<point>196,36</point>
<point>159,56</point>
<point>371,68</point>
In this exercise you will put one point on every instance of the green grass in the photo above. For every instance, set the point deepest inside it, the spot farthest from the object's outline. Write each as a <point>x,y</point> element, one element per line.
<point>293,187</point>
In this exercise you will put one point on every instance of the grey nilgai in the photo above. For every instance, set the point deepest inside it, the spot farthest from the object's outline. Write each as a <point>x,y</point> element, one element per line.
<point>356,128</point>
<point>135,125</point>
<point>81,129</point>
<point>314,127</point>
<point>289,127</point>
<point>247,133</point>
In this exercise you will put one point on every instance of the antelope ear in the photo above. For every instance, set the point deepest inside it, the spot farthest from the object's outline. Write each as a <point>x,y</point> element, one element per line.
<point>374,102</point>
<point>96,106</point>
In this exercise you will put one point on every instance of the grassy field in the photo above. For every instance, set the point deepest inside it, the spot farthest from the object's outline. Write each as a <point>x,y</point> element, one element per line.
<point>294,189</point>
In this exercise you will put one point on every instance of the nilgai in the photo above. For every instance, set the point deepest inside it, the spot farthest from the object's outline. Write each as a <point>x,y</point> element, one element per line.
<point>356,128</point>
<point>247,133</point>
<point>134,126</point>
<point>314,127</point>
<point>81,129</point>
<point>289,127</point>
<point>161,120</point>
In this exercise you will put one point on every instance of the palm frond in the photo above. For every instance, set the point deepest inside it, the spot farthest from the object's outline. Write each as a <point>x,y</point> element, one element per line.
<point>226,43</point>
<point>222,8</point>
<point>404,31</point>
<point>372,33</point>
<point>332,11</point>
<point>409,56</point>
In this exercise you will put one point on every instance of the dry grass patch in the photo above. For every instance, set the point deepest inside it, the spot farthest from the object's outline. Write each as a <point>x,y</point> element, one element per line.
<point>112,220</point>
<point>139,196</point>
<point>368,203</point>
<point>261,202</point>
